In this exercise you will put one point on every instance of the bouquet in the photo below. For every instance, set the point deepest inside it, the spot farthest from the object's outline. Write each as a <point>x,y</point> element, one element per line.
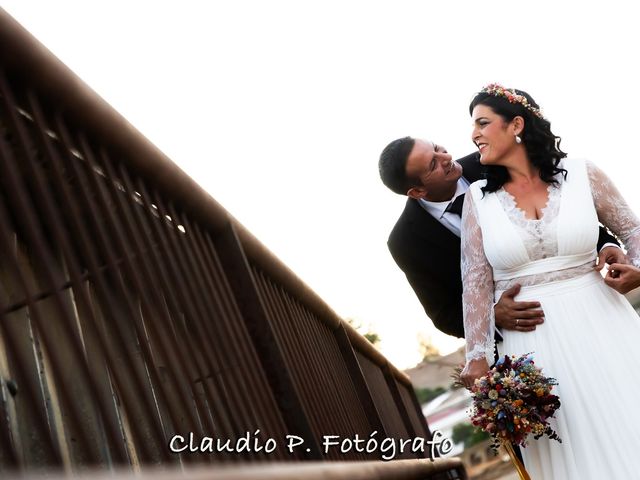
<point>512,400</point>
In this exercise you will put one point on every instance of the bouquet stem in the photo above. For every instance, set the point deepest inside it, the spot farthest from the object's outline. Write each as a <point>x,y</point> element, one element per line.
<point>522,472</point>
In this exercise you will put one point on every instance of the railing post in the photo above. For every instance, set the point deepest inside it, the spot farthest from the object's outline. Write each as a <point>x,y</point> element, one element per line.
<point>359,381</point>
<point>397,398</point>
<point>236,267</point>
<point>418,408</point>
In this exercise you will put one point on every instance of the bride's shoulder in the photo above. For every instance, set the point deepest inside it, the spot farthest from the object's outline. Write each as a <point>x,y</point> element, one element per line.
<point>476,188</point>
<point>478,184</point>
<point>578,168</point>
<point>573,163</point>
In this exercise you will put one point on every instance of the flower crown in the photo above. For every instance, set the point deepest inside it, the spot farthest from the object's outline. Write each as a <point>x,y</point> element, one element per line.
<point>498,90</point>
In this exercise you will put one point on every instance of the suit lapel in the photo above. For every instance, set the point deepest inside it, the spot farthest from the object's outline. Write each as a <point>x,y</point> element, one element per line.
<point>427,227</point>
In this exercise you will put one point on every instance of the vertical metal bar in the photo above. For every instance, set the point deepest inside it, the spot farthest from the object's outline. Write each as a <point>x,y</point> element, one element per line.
<point>81,294</point>
<point>397,399</point>
<point>306,365</point>
<point>29,376</point>
<point>318,361</point>
<point>238,398</point>
<point>253,311</point>
<point>347,418</point>
<point>147,428</point>
<point>8,455</point>
<point>8,388</point>
<point>359,381</point>
<point>317,391</point>
<point>147,310</point>
<point>158,273</point>
<point>232,348</point>
<point>383,397</point>
<point>295,363</point>
<point>34,414</point>
<point>226,422</point>
<point>241,342</point>
<point>80,229</point>
<point>35,236</point>
<point>149,278</point>
<point>410,394</point>
<point>352,417</point>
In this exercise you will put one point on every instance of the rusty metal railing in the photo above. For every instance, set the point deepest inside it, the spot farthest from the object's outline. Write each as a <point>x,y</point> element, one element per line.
<point>137,314</point>
<point>441,469</point>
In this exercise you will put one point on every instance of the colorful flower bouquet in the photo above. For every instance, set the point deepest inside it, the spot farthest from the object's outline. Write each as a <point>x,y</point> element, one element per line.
<point>512,400</point>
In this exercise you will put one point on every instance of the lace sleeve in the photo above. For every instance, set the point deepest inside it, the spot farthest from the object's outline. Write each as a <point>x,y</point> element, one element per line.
<point>477,287</point>
<point>614,212</point>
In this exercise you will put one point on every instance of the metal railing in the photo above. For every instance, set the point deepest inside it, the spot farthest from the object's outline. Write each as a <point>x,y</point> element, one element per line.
<point>441,469</point>
<point>136,312</point>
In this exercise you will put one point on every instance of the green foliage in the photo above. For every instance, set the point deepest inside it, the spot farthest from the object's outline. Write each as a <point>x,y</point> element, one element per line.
<point>467,433</point>
<point>372,337</point>
<point>457,381</point>
<point>366,332</point>
<point>425,395</point>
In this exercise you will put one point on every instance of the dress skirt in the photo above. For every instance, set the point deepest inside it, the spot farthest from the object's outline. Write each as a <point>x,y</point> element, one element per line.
<point>589,343</point>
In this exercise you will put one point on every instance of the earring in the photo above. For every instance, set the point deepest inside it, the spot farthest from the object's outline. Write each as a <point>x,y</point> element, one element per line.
<point>518,139</point>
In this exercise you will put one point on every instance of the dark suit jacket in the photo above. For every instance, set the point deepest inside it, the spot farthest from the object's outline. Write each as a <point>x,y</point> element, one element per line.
<point>429,255</point>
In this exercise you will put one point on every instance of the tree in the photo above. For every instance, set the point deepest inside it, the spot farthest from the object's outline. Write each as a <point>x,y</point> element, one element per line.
<point>427,349</point>
<point>367,332</point>
<point>425,395</point>
<point>467,433</point>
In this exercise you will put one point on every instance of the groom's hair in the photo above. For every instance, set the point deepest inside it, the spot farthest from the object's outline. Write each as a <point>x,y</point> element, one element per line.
<point>393,165</point>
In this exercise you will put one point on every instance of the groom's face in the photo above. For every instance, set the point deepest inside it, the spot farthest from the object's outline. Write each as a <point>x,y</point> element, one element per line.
<point>432,171</point>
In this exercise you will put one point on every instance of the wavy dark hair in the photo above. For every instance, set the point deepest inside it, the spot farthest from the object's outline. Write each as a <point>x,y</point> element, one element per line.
<point>542,146</point>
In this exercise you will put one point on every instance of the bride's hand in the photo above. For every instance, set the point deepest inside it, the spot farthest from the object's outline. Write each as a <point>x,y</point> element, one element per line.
<point>623,277</point>
<point>472,370</point>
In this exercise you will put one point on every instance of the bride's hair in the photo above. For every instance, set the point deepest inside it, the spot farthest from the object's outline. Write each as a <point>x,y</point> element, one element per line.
<point>542,146</point>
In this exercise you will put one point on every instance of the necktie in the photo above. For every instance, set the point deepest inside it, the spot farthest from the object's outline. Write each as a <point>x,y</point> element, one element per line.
<point>456,205</point>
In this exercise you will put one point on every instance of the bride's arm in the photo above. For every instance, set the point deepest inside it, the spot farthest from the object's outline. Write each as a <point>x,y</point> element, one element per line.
<point>477,296</point>
<point>614,212</point>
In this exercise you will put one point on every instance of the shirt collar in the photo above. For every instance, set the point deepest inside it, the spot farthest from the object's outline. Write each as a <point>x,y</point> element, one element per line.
<point>436,209</point>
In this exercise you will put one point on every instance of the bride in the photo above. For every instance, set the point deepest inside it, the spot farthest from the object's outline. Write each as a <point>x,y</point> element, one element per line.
<point>534,221</point>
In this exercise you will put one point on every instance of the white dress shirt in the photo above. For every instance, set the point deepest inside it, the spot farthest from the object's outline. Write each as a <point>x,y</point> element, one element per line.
<point>451,221</point>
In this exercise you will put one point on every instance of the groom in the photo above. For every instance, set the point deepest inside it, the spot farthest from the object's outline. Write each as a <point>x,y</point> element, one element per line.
<point>425,242</point>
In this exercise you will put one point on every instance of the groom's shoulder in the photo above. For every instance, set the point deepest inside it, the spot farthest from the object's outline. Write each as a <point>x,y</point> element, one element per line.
<point>411,213</point>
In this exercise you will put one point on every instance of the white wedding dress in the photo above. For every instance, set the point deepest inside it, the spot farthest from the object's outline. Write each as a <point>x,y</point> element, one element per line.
<point>590,339</point>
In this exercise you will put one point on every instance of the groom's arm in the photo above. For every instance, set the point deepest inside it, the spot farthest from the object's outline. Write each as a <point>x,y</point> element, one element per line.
<point>442,302</point>
<point>609,250</point>
<point>441,305</point>
<point>605,237</point>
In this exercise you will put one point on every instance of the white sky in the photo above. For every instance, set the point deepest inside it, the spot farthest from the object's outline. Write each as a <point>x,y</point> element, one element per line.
<point>280,109</point>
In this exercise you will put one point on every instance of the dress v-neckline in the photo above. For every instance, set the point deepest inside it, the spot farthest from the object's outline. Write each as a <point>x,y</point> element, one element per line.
<point>543,210</point>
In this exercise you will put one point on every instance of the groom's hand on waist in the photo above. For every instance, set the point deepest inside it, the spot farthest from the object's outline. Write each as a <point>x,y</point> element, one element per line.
<point>610,255</point>
<point>519,316</point>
